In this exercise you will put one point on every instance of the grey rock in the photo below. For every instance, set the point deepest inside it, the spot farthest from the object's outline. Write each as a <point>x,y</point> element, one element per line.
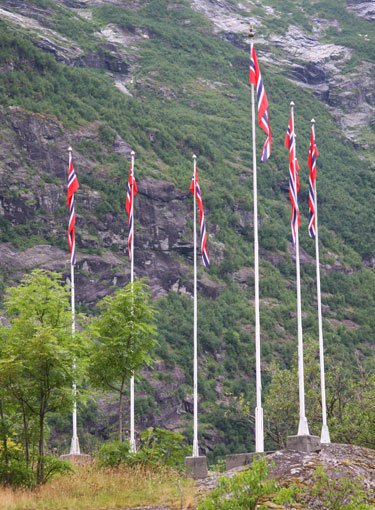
<point>110,61</point>
<point>244,276</point>
<point>304,257</point>
<point>363,9</point>
<point>297,468</point>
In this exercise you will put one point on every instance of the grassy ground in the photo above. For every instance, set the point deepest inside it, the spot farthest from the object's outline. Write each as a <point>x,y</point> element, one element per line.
<point>94,489</point>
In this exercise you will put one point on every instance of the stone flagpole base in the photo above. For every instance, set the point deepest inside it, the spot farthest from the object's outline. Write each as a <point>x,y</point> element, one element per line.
<point>196,467</point>
<point>78,459</point>
<point>306,443</point>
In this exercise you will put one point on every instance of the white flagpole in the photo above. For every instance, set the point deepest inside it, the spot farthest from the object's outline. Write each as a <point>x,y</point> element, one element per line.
<point>303,428</point>
<point>259,432</point>
<point>195,440</point>
<point>324,437</point>
<point>133,447</point>
<point>74,446</point>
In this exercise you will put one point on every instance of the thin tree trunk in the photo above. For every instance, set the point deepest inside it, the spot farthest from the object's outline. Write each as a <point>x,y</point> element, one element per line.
<point>40,465</point>
<point>26,433</point>
<point>3,432</point>
<point>120,411</point>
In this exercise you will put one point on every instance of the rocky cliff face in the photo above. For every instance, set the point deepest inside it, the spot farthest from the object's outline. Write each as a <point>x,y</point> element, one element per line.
<point>305,58</point>
<point>161,213</point>
<point>33,159</point>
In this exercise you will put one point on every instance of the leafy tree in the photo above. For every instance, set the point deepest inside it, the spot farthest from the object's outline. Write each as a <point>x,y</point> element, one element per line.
<point>39,350</point>
<point>350,413</point>
<point>123,338</point>
<point>349,398</point>
<point>354,423</point>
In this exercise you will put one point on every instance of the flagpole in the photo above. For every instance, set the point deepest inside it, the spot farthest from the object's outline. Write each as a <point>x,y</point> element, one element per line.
<point>259,433</point>
<point>195,440</point>
<point>303,428</point>
<point>324,437</point>
<point>74,446</point>
<point>133,447</point>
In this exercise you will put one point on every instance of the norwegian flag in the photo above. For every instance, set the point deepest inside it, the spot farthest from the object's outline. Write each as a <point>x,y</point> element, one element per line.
<point>206,260</point>
<point>293,179</point>
<point>313,154</point>
<point>73,185</point>
<point>132,185</point>
<point>255,78</point>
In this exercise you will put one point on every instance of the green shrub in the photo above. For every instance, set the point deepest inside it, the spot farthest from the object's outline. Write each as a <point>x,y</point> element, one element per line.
<point>243,491</point>
<point>53,466</point>
<point>158,447</point>
<point>114,454</point>
<point>16,474</point>
<point>341,493</point>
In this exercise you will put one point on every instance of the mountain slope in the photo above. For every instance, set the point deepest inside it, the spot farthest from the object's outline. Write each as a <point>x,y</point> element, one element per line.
<point>168,80</point>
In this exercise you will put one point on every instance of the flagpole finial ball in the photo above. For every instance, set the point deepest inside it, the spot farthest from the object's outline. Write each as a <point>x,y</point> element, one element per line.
<point>312,121</point>
<point>292,103</point>
<point>132,153</point>
<point>70,149</point>
<point>251,31</point>
<point>194,156</point>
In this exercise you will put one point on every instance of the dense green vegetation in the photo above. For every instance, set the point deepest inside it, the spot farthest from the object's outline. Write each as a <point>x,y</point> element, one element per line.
<point>40,359</point>
<point>190,92</point>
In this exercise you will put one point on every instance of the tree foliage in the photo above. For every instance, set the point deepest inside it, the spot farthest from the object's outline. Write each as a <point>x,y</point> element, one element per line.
<point>38,353</point>
<point>349,400</point>
<point>123,337</point>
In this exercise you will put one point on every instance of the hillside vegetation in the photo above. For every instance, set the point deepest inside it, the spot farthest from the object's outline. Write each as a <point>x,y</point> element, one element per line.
<point>188,92</point>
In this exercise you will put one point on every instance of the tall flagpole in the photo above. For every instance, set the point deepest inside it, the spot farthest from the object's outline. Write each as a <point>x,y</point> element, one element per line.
<point>195,440</point>
<point>74,446</point>
<point>133,447</point>
<point>259,434</point>
<point>303,428</point>
<point>324,437</point>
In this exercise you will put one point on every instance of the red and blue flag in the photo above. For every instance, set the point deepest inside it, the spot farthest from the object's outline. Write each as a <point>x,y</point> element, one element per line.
<point>73,185</point>
<point>255,78</point>
<point>132,191</point>
<point>313,154</point>
<point>290,141</point>
<point>198,196</point>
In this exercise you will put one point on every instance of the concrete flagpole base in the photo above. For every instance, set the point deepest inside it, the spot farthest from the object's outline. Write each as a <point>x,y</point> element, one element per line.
<point>235,460</point>
<point>79,459</point>
<point>305,443</point>
<point>196,467</point>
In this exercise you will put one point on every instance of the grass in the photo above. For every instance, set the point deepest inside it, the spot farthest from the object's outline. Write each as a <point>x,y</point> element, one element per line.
<point>93,488</point>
